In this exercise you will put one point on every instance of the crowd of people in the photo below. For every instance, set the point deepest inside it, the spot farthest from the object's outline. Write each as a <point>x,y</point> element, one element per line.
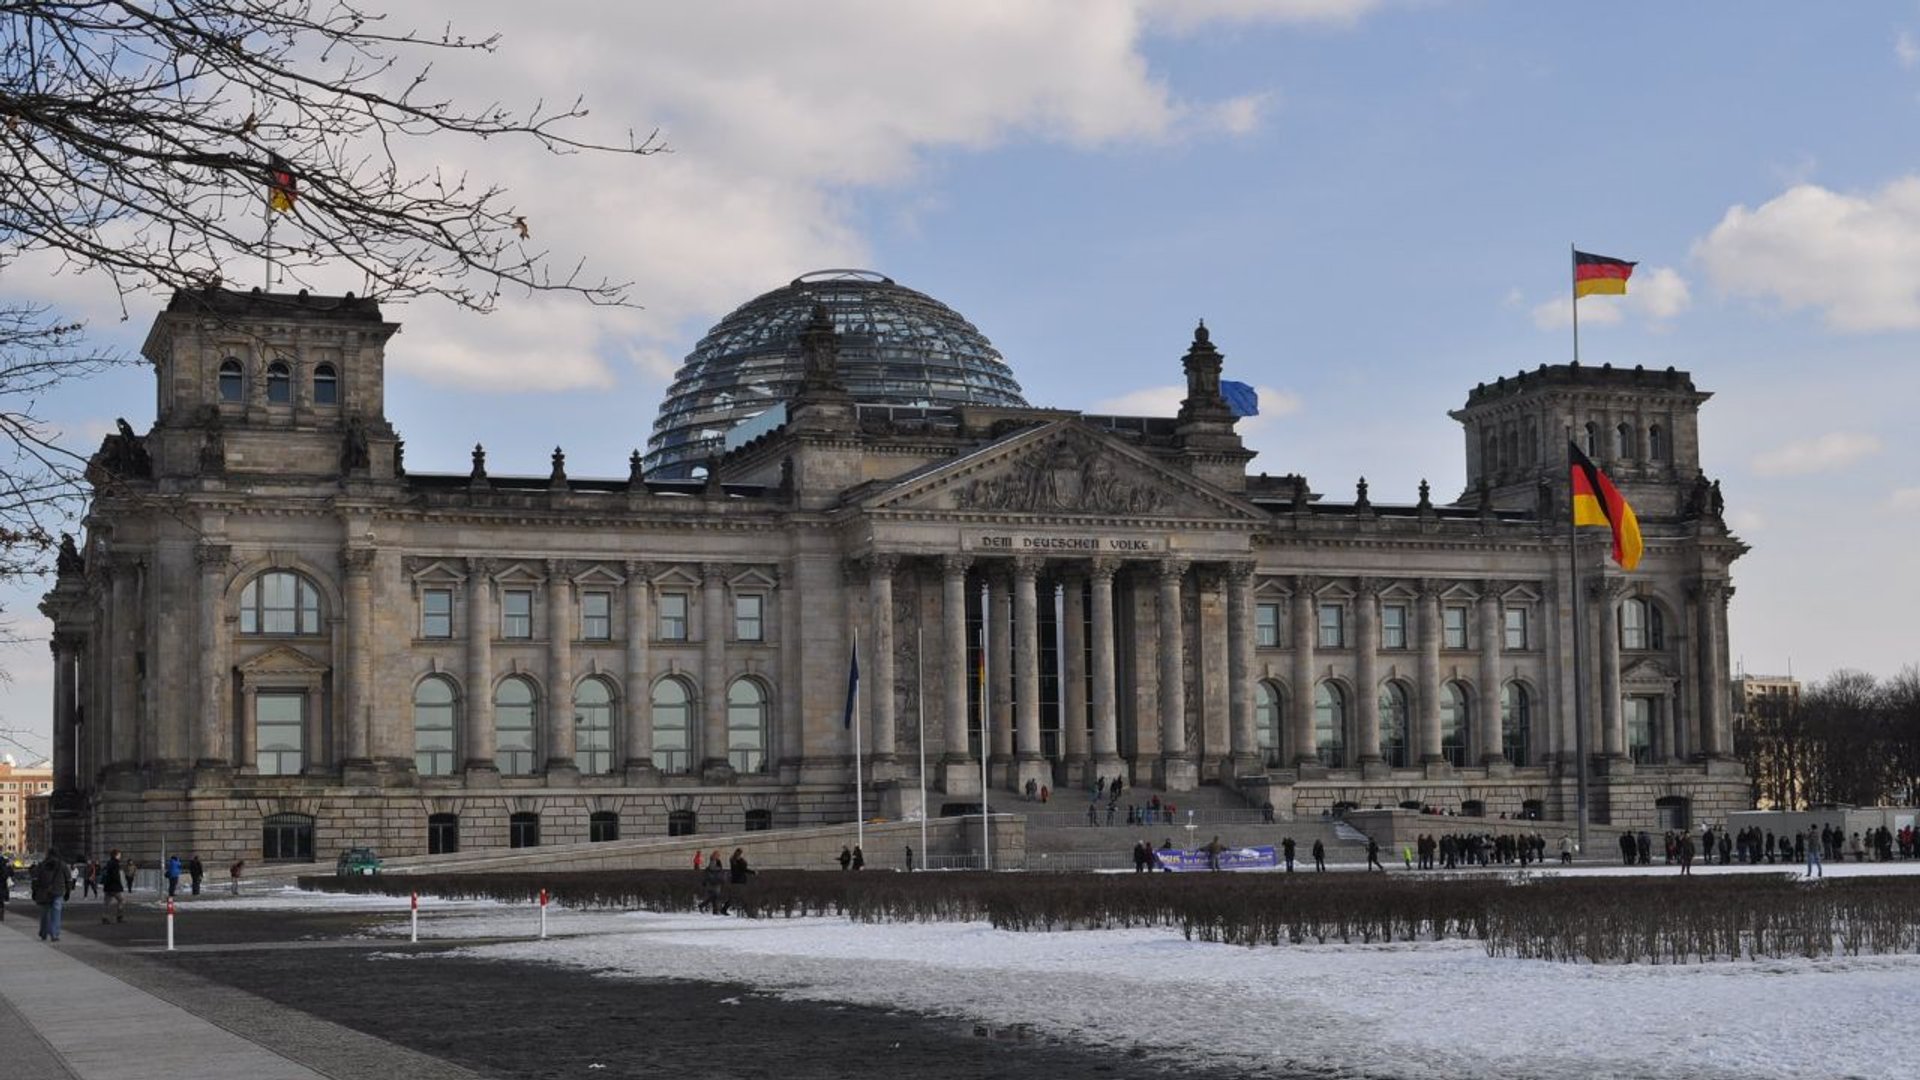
<point>1450,851</point>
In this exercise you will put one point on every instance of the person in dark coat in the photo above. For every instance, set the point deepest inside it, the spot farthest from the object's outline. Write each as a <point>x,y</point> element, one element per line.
<point>113,885</point>
<point>1319,855</point>
<point>846,857</point>
<point>52,881</point>
<point>1286,852</point>
<point>195,871</point>
<point>737,869</point>
<point>1373,855</point>
<point>713,886</point>
<point>859,858</point>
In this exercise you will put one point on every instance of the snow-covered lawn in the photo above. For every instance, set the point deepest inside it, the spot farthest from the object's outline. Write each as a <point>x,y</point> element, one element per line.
<point>1435,1009</point>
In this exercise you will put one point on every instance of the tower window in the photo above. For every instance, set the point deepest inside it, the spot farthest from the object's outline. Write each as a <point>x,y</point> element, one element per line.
<point>326,386</point>
<point>279,383</point>
<point>232,380</point>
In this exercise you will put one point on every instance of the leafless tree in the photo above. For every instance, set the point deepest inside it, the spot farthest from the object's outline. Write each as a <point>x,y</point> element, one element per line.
<point>142,141</point>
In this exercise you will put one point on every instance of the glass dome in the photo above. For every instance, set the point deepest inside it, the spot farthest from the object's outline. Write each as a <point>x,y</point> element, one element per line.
<point>897,347</point>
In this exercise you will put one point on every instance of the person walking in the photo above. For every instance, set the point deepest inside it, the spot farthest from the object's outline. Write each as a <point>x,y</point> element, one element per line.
<point>1213,850</point>
<point>859,857</point>
<point>1373,856</point>
<point>846,857</point>
<point>713,884</point>
<point>1319,855</point>
<point>1814,846</point>
<point>173,874</point>
<point>737,869</point>
<point>51,881</point>
<point>6,887</point>
<point>909,858</point>
<point>234,872</point>
<point>1286,852</point>
<point>90,879</point>
<point>113,886</point>
<point>195,871</point>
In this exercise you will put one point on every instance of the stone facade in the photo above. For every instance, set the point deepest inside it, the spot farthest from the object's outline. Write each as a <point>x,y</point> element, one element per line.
<point>276,640</point>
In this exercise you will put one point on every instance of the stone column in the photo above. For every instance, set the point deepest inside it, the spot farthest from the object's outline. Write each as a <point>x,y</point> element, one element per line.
<point>248,743</point>
<point>1073,675</point>
<point>66,764</point>
<point>1429,673</point>
<point>637,705</point>
<point>880,704</point>
<point>1710,600</point>
<point>479,691</point>
<point>1613,727</point>
<point>1242,742</point>
<point>713,669</point>
<point>1305,636</point>
<point>1366,674</point>
<point>1106,719</point>
<point>561,742</point>
<point>1000,674</point>
<point>123,699</point>
<point>1178,771</point>
<point>1031,765</point>
<point>959,774</point>
<point>1492,750</point>
<point>211,748</point>
<point>356,708</point>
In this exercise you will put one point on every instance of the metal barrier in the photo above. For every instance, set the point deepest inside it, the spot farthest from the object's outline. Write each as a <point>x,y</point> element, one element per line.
<point>1210,816</point>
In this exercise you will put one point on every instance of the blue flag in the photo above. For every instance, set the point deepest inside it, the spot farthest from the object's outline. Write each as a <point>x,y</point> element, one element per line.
<point>1241,398</point>
<point>853,682</point>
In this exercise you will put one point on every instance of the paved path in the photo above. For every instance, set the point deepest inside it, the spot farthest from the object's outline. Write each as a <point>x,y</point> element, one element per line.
<point>83,1010</point>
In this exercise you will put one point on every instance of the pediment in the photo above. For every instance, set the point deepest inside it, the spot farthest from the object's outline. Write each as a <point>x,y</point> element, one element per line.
<point>1062,469</point>
<point>1648,670</point>
<point>282,660</point>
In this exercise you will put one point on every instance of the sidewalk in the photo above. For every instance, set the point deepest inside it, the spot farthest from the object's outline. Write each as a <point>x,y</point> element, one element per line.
<point>60,1018</point>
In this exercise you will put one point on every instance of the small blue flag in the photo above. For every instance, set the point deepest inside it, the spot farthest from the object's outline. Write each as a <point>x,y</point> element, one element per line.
<point>853,683</point>
<point>1241,398</point>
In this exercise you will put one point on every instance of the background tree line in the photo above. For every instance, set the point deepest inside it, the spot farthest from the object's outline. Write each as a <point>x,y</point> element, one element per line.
<point>1849,738</point>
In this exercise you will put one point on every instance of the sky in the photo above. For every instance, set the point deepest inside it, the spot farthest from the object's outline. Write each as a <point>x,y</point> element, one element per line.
<point>1286,1010</point>
<point>1370,202</point>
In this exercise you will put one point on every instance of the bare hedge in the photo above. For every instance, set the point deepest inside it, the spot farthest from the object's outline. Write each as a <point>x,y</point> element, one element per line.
<point>1595,920</point>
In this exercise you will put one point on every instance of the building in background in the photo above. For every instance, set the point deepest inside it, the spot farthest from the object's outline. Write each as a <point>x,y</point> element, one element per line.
<point>18,784</point>
<point>276,642</point>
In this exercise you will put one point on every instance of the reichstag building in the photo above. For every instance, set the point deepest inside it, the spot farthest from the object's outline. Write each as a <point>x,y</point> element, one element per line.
<point>275,640</point>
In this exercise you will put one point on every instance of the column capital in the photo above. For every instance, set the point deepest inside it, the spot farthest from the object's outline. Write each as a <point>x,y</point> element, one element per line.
<point>357,560</point>
<point>482,569</point>
<point>563,570</point>
<point>1709,589</point>
<point>881,564</point>
<point>955,565</point>
<point>1304,584</point>
<point>1240,573</point>
<point>1607,588</point>
<point>1431,588</point>
<point>714,573</point>
<point>212,557</point>
<point>638,572</point>
<point>1493,588</point>
<point>1171,570</point>
<point>1366,588</point>
<point>1026,567</point>
<point>1103,569</point>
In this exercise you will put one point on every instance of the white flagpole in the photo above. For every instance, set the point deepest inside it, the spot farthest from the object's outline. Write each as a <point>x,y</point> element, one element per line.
<point>986,823</point>
<point>1579,619</point>
<point>859,789</point>
<point>920,696</point>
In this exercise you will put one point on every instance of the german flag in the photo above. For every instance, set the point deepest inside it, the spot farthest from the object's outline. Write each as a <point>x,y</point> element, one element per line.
<point>280,184</point>
<point>1599,274</point>
<point>1597,502</point>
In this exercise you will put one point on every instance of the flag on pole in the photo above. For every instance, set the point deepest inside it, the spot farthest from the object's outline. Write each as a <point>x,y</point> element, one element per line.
<point>1242,399</point>
<point>1600,274</point>
<point>280,184</point>
<point>853,683</point>
<point>1597,502</point>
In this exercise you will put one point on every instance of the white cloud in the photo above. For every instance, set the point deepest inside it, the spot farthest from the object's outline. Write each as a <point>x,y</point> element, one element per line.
<point>1822,453</point>
<point>1190,14</point>
<point>1906,50</point>
<point>1904,500</point>
<point>1165,401</point>
<point>1655,294</point>
<point>1240,115</point>
<point>1746,522</point>
<point>1855,257</point>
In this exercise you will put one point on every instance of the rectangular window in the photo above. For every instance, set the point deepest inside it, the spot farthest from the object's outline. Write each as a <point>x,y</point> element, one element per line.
<point>516,613</point>
<point>1453,627</point>
<point>1266,625</point>
<point>1333,626</point>
<point>747,622</point>
<point>673,616</point>
<point>1393,626</point>
<point>1516,629</point>
<point>1641,714</point>
<point>596,616</point>
<point>279,733</point>
<point>436,613</point>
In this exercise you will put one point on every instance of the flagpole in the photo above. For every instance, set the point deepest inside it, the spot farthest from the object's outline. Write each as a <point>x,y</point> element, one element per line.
<point>986,826</point>
<point>1573,275</point>
<point>1579,674</point>
<point>267,244</point>
<point>859,789</point>
<point>920,696</point>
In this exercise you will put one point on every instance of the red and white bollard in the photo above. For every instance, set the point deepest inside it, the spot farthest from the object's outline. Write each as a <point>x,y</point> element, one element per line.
<point>416,916</point>
<point>169,924</point>
<point>543,914</point>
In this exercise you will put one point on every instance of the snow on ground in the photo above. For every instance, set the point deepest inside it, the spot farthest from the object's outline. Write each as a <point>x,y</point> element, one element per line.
<point>1406,1011</point>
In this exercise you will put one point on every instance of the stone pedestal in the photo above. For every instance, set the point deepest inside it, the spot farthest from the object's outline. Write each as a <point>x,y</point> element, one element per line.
<point>960,777</point>
<point>1177,774</point>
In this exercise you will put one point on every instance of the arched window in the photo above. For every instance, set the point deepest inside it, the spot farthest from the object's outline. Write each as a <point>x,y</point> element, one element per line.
<point>1672,812</point>
<point>1623,442</point>
<point>443,834</point>
<point>1516,721</point>
<point>233,381</point>
<point>279,383</point>
<point>1593,439</point>
<point>746,726</point>
<point>433,726</point>
<point>759,820</point>
<point>1640,625</point>
<point>603,826</point>
<point>1330,725</point>
<point>1454,724</point>
<point>326,385</point>
<point>1267,715</point>
<point>1513,448</point>
<point>523,830</point>
<point>593,726</point>
<point>279,602</point>
<point>1393,724</point>
<point>513,729</point>
<point>1656,443</point>
<point>672,717</point>
<point>286,838</point>
<point>682,823</point>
